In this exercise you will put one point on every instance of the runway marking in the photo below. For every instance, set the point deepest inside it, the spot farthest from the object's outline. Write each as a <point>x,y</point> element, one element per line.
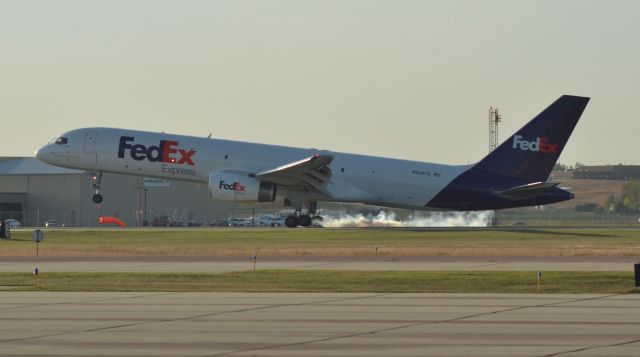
<point>89,302</point>
<point>487,265</point>
<point>145,322</point>
<point>320,301</point>
<point>582,349</point>
<point>591,348</point>
<point>421,323</point>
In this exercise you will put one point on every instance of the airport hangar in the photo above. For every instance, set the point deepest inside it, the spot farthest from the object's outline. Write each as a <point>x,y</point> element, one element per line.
<point>34,192</point>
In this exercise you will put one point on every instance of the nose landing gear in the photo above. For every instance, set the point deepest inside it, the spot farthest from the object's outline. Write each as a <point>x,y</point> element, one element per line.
<point>97,198</point>
<point>96,182</point>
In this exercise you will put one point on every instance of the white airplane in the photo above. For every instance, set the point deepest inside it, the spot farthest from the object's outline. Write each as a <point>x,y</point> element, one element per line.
<point>513,175</point>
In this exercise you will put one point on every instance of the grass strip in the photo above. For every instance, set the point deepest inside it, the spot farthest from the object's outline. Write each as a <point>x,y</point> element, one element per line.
<point>329,281</point>
<point>329,242</point>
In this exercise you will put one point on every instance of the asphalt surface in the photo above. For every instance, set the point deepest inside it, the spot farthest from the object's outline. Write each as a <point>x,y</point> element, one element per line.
<point>370,263</point>
<point>316,324</point>
<point>259,324</point>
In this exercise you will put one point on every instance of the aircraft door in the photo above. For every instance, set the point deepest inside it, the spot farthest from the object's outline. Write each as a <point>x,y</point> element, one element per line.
<point>90,143</point>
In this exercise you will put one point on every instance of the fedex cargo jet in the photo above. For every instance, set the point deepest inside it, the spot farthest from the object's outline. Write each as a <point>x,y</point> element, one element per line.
<point>513,175</point>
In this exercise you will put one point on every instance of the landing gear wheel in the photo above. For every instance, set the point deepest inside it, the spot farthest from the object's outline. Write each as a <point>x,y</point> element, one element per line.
<point>97,198</point>
<point>304,220</point>
<point>96,180</point>
<point>291,221</point>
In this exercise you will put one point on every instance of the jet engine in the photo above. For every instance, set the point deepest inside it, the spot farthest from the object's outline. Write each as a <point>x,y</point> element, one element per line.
<point>241,188</point>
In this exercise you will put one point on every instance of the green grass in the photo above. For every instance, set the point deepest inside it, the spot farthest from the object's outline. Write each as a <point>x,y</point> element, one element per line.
<point>328,281</point>
<point>346,242</point>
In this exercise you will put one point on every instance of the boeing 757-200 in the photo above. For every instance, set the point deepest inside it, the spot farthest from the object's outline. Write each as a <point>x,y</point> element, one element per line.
<point>513,175</point>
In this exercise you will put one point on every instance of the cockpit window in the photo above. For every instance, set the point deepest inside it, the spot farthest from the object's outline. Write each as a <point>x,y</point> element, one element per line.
<point>61,140</point>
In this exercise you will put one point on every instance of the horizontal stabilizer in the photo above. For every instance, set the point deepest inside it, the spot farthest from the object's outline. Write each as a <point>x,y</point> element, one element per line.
<point>528,190</point>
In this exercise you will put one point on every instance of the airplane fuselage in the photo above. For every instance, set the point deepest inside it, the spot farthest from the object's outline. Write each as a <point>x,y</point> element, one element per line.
<point>355,178</point>
<point>513,175</point>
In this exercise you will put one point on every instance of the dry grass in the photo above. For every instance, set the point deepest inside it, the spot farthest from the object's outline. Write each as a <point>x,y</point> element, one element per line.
<point>330,242</point>
<point>330,281</point>
<point>590,191</point>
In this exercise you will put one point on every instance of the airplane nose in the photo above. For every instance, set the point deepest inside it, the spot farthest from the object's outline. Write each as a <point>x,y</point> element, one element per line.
<point>41,153</point>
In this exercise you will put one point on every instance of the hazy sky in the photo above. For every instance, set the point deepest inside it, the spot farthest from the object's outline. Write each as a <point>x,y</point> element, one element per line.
<point>406,79</point>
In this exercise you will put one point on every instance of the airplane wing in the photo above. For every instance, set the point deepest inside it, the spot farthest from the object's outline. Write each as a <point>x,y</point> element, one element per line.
<point>528,190</point>
<point>313,172</point>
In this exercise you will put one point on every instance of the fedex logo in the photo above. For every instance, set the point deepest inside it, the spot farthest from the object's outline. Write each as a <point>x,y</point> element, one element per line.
<point>541,145</point>
<point>236,186</point>
<point>164,152</point>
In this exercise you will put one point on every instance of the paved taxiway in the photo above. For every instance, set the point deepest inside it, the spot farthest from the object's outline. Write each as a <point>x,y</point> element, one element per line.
<point>259,324</point>
<point>371,263</point>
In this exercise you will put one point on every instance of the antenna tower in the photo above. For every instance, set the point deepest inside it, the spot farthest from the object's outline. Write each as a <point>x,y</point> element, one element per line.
<point>494,120</point>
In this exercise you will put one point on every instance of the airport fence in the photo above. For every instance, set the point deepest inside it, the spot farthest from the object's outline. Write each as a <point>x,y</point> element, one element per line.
<point>183,217</point>
<point>154,217</point>
<point>565,218</point>
<point>37,218</point>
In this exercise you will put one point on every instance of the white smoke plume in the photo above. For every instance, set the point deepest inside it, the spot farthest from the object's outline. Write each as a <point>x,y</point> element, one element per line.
<point>388,219</point>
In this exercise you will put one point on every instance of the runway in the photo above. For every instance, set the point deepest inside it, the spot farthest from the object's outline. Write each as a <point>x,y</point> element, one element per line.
<point>200,264</point>
<point>316,324</point>
<point>258,324</point>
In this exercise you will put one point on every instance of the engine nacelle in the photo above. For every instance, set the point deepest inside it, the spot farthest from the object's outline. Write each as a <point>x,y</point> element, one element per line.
<point>241,188</point>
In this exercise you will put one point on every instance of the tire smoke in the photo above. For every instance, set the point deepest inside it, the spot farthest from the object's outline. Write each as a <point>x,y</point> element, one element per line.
<point>388,219</point>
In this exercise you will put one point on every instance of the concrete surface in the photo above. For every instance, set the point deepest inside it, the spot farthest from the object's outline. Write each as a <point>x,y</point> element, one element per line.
<point>227,264</point>
<point>326,324</point>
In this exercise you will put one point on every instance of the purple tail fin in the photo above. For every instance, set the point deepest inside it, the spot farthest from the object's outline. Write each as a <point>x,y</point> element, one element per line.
<point>531,153</point>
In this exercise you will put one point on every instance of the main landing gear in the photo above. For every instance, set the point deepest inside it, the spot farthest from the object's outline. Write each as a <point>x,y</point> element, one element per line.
<point>304,220</point>
<point>96,182</point>
<point>291,221</point>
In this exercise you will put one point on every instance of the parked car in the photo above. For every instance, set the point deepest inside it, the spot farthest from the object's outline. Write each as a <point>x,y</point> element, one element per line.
<point>220,223</point>
<point>13,223</point>
<point>193,223</point>
<point>161,221</point>
<point>240,222</point>
<point>52,223</point>
<point>270,221</point>
<point>177,223</point>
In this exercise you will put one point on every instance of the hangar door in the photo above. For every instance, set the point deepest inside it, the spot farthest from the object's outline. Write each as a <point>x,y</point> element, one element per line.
<point>11,210</point>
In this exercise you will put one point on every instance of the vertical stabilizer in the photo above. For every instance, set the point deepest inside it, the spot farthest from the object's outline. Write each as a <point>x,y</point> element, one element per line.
<point>531,153</point>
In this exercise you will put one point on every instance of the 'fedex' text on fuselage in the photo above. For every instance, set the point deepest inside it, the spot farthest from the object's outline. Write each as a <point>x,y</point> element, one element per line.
<point>161,153</point>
